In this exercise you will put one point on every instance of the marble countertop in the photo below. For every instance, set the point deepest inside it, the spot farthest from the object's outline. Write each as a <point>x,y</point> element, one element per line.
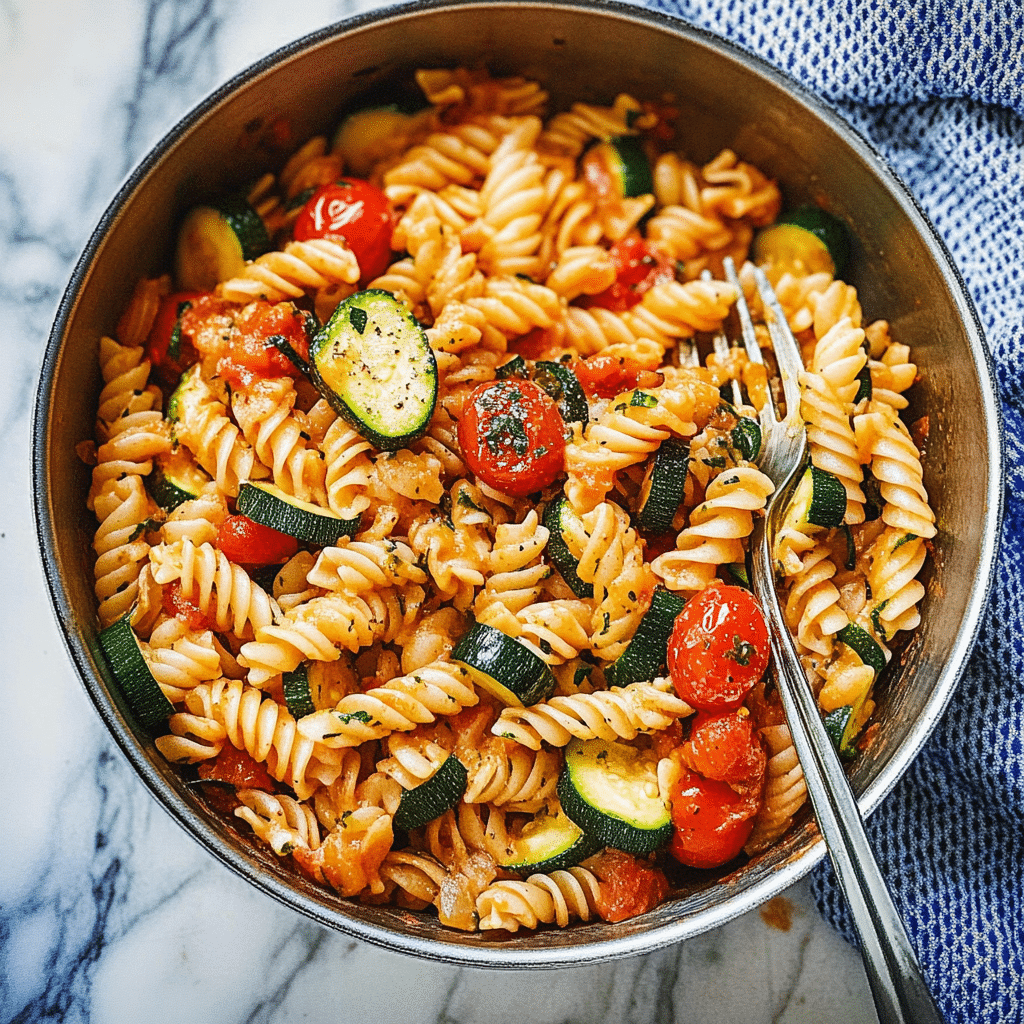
<point>108,910</point>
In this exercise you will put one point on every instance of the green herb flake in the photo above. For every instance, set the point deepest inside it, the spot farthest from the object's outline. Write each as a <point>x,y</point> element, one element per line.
<point>358,319</point>
<point>742,651</point>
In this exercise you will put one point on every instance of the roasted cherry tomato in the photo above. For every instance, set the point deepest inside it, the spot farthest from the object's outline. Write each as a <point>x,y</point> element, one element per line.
<point>725,747</point>
<point>168,348</point>
<point>512,436</point>
<point>356,211</point>
<point>605,376</point>
<point>639,266</point>
<point>718,648</point>
<point>712,820</point>
<point>252,544</point>
<point>237,768</point>
<point>628,886</point>
<point>540,343</point>
<point>181,606</point>
<point>252,354</point>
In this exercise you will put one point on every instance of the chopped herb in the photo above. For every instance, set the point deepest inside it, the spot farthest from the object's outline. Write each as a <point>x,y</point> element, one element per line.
<point>742,651</point>
<point>354,716</point>
<point>358,318</point>
<point>644,399</point>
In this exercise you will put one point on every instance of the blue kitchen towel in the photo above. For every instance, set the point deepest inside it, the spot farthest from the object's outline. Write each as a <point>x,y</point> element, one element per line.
<point>938,88</point>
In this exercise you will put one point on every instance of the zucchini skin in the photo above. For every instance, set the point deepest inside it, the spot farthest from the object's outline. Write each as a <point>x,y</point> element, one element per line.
<point>429,800</point>
<point>374,365</point>
<point>134,680</point>
<point>664,486</point>
<point>504,667</point>
<point>266,504</point>
<point>645,656</point>
<point>564,560</point>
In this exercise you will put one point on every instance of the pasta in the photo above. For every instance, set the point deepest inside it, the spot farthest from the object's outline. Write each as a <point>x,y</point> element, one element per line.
<point>392,658</point>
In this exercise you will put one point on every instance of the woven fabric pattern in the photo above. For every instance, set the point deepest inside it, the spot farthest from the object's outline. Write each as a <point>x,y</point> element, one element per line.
<point>938,88</point>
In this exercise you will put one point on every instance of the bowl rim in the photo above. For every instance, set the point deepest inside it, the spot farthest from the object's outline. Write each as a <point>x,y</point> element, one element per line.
<point>485,956</point>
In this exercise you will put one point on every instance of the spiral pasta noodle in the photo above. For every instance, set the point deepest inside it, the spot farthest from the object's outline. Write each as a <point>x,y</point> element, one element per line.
<point>605,714</point>
<point>554,898</point>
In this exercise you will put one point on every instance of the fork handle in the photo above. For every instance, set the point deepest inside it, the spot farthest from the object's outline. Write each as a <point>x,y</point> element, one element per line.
<point>897,983</point>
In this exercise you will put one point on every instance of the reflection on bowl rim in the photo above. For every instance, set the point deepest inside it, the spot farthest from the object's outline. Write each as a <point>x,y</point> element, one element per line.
<point>517,953</point>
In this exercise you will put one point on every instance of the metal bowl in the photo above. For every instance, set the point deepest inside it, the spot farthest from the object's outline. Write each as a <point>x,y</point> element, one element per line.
<point>580,51</point>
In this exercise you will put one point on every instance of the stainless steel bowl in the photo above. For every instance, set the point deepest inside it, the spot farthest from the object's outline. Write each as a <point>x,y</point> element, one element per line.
<point>580,51</point>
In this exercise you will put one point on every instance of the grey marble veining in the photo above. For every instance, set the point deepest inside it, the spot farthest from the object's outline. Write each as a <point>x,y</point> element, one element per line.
<point>109,912</point>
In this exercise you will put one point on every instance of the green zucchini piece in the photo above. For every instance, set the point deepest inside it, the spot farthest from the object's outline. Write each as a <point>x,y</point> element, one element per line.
<point>850,555</point>
<point>135,681</point>
<point>559,516</point>
<point>746,438</point>
<point>664,483</point>
<point>839,726</point>
<point>430,799</point>
<point>865,387</point>
<point>176,479</point>
<point>611,791</point>
<point>367,135</point>
<point>515,367</point>
<point>549,842</point>
<point>644,657</point>
<point>806,236</point>
<point>869,650</point>
<point>374,365</point>
<point>267,504</point>
<point>738,573</point>
<point>564,387</point>
<point>623,157</point>
<point>819,500</point>
<point>504,667</point>
<point>297,694</point>
<point>215,241</point>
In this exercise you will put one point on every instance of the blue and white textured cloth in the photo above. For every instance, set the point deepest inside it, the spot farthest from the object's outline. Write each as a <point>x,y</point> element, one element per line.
<point>938,87</point>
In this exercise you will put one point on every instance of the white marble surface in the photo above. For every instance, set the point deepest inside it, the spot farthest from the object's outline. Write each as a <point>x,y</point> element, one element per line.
<point>109,912</point>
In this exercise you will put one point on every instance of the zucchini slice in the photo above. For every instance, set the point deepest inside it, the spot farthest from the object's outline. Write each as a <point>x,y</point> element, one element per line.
<point>515,367</point>
<point>430,799</point>
<point>839,725</point>
<point>374,365</point>
<point>746,438</point>
<point>564,387</point>
<point>867,648</point>
<point>176,478</point>
<point>560,516</point>
<point>807,238</point>
<point>624,159</point>
<point>664,483</point>
<point>549,842</point>
<point>297,693</point>
<point>850,549</point>
<point>215,241</point>
<point>611,791</point>
<point>865,389</point>
<point>504,667</point>
<point>135,681</point>
<point>644,658</point>
<point>366,136</point>
<point>819,500</point>
<point>264,503</point>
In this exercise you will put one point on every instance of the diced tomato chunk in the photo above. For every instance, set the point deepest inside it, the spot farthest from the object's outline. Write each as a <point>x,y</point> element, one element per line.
<point>252,354</point>
<point>639,266</point>
<point>169,346</point>
<point>605,376</point>
<point>237,768</point>
<point>183,607</point>
<point>628,886</point>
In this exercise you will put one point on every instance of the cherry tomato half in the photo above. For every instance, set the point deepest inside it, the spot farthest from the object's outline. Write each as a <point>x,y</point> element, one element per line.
<point>725,747</point>
<point>718,648</point>
<point>605,376</point>
<point>639,266</point>
<point>512,436</point>
<point>356,211</point>
<point>712,821</point>
<point>168,348</point>
<point>249,543</point>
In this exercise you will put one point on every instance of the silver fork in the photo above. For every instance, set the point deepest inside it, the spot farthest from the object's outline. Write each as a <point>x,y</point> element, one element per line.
<point>894,973</point>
